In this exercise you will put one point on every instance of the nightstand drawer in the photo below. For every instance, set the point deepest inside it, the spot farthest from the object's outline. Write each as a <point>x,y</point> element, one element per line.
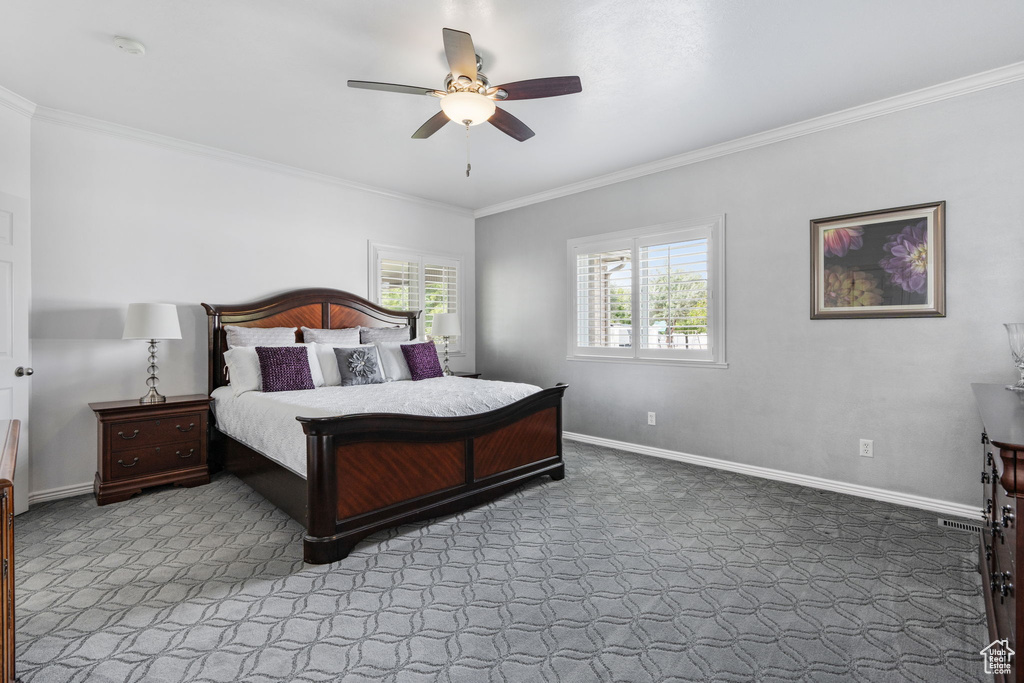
<point>150,444</point>
<point>132,435</point>
<point>139,461</point>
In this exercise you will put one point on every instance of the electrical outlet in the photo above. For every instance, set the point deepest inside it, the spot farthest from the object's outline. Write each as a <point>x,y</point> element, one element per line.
<point>867,448</point>
<point>650,418</point>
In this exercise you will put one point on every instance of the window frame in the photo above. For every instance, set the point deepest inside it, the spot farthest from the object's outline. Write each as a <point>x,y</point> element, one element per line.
<point>713,229</point>
<point>378,251</point>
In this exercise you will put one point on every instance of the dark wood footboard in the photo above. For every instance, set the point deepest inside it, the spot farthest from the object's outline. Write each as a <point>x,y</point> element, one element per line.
<point>373,471</point>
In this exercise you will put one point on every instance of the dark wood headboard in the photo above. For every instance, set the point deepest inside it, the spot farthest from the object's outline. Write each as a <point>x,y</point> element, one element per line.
<point>313,308</point>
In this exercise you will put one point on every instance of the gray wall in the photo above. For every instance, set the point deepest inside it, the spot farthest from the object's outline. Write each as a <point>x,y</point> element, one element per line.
<point>798,393</point>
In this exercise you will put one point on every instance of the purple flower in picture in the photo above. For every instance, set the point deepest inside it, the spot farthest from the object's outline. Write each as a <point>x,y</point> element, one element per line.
<point>908,263</point>
<point>838,241</point>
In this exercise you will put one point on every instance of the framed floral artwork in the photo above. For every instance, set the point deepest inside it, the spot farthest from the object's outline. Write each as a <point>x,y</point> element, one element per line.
<point>880,264</point>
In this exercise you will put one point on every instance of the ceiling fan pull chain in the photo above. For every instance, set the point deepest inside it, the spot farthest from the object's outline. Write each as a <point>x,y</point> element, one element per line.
<point>468,166</point>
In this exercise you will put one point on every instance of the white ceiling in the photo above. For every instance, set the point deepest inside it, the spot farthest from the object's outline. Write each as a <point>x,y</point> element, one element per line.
<point>266,78</point>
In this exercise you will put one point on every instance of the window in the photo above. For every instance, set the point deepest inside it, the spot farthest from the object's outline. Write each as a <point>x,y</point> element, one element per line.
<point>409,281</point>
<point>654,294</point>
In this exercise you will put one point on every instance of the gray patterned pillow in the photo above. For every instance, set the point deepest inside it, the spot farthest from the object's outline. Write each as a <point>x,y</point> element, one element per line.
<point>344,335</point>
<point>359,366</point>
<point>368,335</point>
<point>259,336</point>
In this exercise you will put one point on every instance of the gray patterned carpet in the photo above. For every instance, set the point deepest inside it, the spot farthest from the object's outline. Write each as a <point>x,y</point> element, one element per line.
<point>631,569</point>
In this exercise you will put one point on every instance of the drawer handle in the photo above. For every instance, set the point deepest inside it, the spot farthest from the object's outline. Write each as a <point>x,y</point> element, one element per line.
<point>134,463</point>
<point>187,455</point>
<point>190,426</point>
<point>134,434</point>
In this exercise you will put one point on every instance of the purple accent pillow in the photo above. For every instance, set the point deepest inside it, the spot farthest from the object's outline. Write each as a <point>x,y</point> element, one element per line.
<point>422,360</point>
<point>285,368</point>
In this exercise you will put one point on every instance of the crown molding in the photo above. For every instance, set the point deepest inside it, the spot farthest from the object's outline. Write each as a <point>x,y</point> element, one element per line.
<point>16,102</point>
<point>943,91</point>
<point>82,122</point>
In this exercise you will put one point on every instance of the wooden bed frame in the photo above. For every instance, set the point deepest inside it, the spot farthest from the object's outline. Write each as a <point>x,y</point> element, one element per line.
<point>373,471</point>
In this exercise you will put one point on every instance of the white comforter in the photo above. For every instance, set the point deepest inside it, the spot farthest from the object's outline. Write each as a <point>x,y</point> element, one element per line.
<point>266,421</point>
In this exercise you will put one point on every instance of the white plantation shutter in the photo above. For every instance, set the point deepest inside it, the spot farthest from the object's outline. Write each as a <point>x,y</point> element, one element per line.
<point>440,284</point>
<point>604,312</point>
<point>674,294</point>
<point>653,294</point>
<point>399,284</point>
<point>409,281</point>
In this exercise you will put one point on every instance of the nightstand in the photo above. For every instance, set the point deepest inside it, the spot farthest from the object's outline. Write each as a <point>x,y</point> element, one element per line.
<point>470,375</point>
<point>142,445</point>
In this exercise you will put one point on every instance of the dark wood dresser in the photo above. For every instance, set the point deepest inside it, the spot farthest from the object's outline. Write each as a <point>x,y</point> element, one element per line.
<point>1002,539</point>
<point>10,431</point>
<point>142,445</point>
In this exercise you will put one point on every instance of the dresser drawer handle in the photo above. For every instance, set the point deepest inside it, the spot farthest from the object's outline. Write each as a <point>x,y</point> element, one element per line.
<point>134,434</point>
<point>187,455</point>
<point>189,429</point>
<point>134,463</point>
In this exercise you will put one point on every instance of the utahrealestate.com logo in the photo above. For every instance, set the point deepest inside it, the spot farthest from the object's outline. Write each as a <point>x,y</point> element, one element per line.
<point>998,657</point>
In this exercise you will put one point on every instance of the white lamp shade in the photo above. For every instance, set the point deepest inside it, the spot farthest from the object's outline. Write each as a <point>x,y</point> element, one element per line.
<point>152,321</point>
<point>445,325</point>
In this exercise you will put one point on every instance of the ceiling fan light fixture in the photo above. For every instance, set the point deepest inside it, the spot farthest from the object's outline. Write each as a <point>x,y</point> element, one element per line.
<point>473,107</point>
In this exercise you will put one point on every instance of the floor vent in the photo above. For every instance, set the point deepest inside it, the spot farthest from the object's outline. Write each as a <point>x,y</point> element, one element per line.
<point>962,526</point>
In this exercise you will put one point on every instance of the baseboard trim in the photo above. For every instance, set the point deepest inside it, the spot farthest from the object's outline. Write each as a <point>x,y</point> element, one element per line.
<point>883,495</point>
<point>59,493</point>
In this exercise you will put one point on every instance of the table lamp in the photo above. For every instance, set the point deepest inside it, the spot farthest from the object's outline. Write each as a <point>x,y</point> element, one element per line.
<point>445,325</point>
<point>152,322</point>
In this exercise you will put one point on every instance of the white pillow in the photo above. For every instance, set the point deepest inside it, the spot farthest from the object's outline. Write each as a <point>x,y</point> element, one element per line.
<point>345,336</point>
<point>329,362</point>
<point>259,336</point>
<point>244,368</point>
<point>376,334</point>
<point>392,360</point>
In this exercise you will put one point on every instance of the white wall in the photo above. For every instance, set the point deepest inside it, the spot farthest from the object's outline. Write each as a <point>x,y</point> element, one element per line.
<point>799,393</point>
<point>15,147</point>
<point>116,220</point>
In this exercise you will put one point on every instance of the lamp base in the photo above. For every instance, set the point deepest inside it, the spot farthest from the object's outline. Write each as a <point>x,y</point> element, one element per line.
<point>153,396</point>
<point>447,372</point>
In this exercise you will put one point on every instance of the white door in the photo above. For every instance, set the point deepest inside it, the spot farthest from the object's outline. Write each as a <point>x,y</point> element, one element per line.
<point>15,286</point>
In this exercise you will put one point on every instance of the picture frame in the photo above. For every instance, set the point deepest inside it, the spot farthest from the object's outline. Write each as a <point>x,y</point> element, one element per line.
<point>889,263</point>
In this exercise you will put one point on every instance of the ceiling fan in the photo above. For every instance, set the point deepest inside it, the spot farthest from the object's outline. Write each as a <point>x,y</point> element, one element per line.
<point>468,98</point>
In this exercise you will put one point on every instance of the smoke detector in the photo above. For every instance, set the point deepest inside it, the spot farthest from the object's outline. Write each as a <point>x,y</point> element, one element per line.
<point>132,47</point>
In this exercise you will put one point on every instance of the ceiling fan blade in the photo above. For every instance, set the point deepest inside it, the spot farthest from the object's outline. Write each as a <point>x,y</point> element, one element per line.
<point>458,48</point>
<point>510,125</point>
<point>433,124</point>
<point>391,87</point>
<point>542,87</point>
